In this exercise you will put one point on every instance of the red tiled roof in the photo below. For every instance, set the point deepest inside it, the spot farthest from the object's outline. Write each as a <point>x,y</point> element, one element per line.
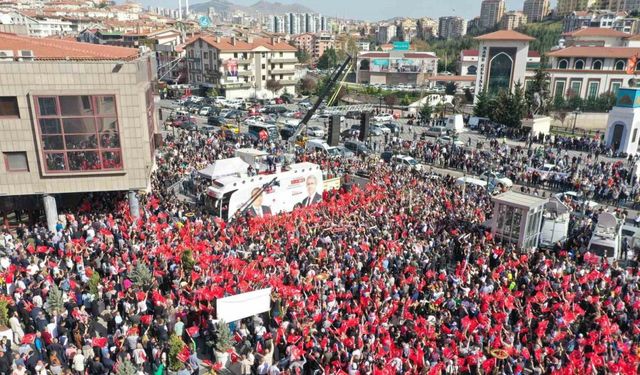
<point>505,35</point>
<point>225,44</point>
<point>596,31</point>
<point>58,49</point>
<point>474,52</point>
<point>620,52</point>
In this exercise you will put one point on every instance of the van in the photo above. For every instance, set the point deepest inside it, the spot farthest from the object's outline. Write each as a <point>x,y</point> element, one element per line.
<point>436,131</point>
<point>181,112</point>
<point>471,181</point>
<point>476,122</point>
<point>357,147</point>
<point>319,144</point>
<point>455,123</point>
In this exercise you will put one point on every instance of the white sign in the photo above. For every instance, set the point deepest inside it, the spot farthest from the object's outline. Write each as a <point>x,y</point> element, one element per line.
<point>243,305</point>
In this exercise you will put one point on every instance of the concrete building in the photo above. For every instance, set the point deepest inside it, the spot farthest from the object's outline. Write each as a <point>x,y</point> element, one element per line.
<point>627,25</point>
<point>37,26</point>
<point>385,33</point>
<point>241,68</point>
<point>620,5</point>
<point>565,7</point>
<point>321,43</point>
<point>396,67</point>
<point>594,37</point>
<point>76,118</point>
<point>536,10</point>
<point>512,20</point>
<point>502,60</point>
<point>468,63</point>
<point>491,12</point>
<point>599,18</point>
<point>363,46</point>
<point>427,28</point>
<point>452,27</point>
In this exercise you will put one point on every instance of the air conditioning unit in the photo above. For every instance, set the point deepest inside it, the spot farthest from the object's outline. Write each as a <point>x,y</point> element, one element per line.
<point>6,55</point>
<point>26,55</point>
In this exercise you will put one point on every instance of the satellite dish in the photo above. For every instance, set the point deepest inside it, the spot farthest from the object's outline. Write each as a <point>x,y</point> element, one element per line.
<point>204,22</point>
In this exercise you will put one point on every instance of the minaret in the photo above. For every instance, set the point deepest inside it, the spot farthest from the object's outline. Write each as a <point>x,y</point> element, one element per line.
<point>179,9</point>
<point>186,9</point>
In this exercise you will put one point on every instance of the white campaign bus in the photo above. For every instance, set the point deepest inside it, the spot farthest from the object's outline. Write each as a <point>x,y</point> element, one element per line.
<point>607,237</point>
<point>300,185</point>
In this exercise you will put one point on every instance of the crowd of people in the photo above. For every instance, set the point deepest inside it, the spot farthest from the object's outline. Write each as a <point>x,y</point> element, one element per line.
<point>396,276</point>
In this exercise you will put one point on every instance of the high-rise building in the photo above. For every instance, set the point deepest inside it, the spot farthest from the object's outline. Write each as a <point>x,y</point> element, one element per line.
<point>567,6</point>
<point>452,27</point>
<point>536,10</point>
<point>512,20</point>
<point>491,12</point>
<point>427,28</point>
<point>620,5</point>
<point>385,33</point>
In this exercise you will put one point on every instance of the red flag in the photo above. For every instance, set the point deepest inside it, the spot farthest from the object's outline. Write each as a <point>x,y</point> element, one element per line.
<point>146,319</point>
<point>192,331</point>
<point>184,354</point>
<point>29,338</point>
<point>141,296</point>
<point>99,342</point>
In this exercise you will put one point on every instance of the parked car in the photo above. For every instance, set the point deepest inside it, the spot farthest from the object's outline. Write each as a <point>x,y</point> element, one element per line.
<point>315,131</point>
<point>353,114</point>
<point>350,133</point>
<point>383,117</point>
<point>497,178</point>
<point>357,147</point>
<point>386,156</point>
<point>382,128</point>
<point>275,109</point>
<point>577,199</point>
<point>393,127</point>
<point>375,130</point>
<point>447,139</point>
<point>346,153</point>
<point>231,127</point>
<point>435,131</point>
<point>205,111</point>
<point>405,160</point>
<point>216,120</point>
<point>207,129</point>
<point>287,131</point>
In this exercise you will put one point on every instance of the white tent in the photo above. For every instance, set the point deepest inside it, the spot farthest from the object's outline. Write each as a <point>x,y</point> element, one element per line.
<point>224,167</point>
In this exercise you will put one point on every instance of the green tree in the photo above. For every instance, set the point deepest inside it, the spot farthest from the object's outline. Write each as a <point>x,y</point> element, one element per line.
<point>94,282</point>
<point>125,367</point>
<point>426,111</point>
<point>390,100</point>
<point>450,88</point>
<point>308,85</point>
<point>303,56</point>
<point>55,301</point>
<point>274,86</point>
<point>482,108</point>
<point>141,277</point>
<point>188,262</point>
<point>225,339</point>
<point>211,93</point>
<point>175,347</point>
<point>4,311</point>
<point>546,34</point>
<point>328,60</point>
<point>468,95</point>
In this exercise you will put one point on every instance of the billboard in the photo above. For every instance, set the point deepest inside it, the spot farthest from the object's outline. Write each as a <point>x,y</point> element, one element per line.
<point>243,305</point>
<point>401,46</point>
<point>231,69</point>
<point>296,189</point>
<point>399,65</point>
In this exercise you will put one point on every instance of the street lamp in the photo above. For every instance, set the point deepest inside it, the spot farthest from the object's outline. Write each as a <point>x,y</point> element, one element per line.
<point>575,119</point>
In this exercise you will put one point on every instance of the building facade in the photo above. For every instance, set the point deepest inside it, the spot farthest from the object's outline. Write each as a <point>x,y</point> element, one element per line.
<point>241,68</point>
<point>385,33</point>
<point>427,28</point>
<point>396,67</point>
<point>491,12</point>
<point>536,10</point>
<point>565,7</point>
<point>452,27</point>
<point>76,118</point>
<point>512,20</point>
<point>600,18</point>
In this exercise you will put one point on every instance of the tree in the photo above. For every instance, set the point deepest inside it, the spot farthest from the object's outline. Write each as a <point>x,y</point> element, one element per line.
<point>510,108</point>
<point>482,108</point>
<point>224,341</point>
<point>55,301</point>
<point>141,276</point>
<point>450,88</point>
<point>468,95</point>
<point>4,311</point>
<point>561,115</point>
<point>187,260</point>
<point>175,347</point>
<point>94,282</point>
<point>274,86</point>
<point>390,100</point>
<point>540,85</point>
<point>303,56</point>
<point>425,112</point>
<point>211,93</point>
<point>125,367</point>
<point>308,85</point>
<point>328,59</point>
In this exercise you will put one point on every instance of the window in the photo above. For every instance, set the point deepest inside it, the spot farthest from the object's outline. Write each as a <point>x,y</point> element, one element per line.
<point>263,78</point>
<point>563,64</point>
<point>205,55</point>
<point>16,161</point>
<point>620,65</point>
<point>579,65</point>
<point>576,88</point>
<point>635,134</point>
<point>637,66</point>
<point>235,55</point>
<point>559,91</point>
<point>593,89</point>
<point>281,76</point>
<point>597,65</point>
<point>78,133</point>
<point>615,86</point>
<point>9,106</point>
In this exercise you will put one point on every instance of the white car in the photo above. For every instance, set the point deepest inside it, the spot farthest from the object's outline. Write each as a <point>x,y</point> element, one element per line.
<point>254,120</point>
<point>448,140</point>
<point>383,129</point>
<point>204,111</point>
<point>383,118</point>
<point>576,198</point>
<point>406,161</point>
<point>499,178</point>
<point>315,131</point>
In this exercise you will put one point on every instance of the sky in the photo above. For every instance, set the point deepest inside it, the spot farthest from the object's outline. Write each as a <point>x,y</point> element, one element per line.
<point>374,10</point>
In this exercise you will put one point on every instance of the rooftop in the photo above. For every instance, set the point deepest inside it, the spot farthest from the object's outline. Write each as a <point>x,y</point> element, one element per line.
<point>475,52</point>
<point>520,200</point>
<point>228,44</point>
<point>405,54</point>
<point>596,31</point>
<point>505,35</point>
<point>60,49</point>
<point>620,52</point>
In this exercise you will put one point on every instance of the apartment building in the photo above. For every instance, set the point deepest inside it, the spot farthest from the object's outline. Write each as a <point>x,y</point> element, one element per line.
<point>536,10</point>
<point>491,12</point>
<point>37,26</point>
<point>512,20</point>
<point>385,33</point>
<point>452,27</point>
<point>620,5</point>
<point>598,18</point>
<point>427,28</point>
<point>565,7</point>
<point>241,68</point>
<point>76,118</point>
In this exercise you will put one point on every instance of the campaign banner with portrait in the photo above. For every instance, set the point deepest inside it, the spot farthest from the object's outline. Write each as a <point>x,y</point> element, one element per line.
<point>231,69</point>
<point>301,186</point>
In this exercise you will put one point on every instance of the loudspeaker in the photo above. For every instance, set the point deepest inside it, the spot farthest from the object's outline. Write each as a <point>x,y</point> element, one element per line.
<point>333,138</point>
<point>364,126</point>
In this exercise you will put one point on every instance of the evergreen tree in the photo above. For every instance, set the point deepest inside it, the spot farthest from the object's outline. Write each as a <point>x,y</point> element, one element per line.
<point>125,367</point>
<point>141,276</point>
<point>450,88</point>
<point>224,340</point>
<point>425,112</point>
<point>482,108</point>
<point>55,301</point>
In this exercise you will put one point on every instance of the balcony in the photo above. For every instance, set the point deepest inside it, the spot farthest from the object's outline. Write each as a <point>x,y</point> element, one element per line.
<point>236,85</point>
<point>288,82</point>
<point>283,60</point>
<point>245,61</point>
<point>282,71</point>
<point>246,73</point>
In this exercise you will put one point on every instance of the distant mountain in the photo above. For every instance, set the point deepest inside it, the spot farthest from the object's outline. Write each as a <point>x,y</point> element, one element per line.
<point>260,8</point>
